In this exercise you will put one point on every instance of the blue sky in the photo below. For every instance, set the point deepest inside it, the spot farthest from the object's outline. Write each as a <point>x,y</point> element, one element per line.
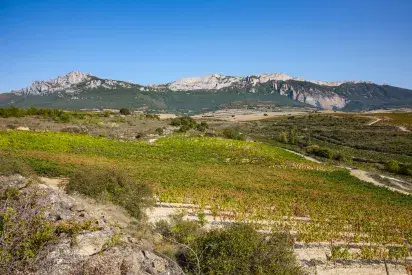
<point>158,41</point>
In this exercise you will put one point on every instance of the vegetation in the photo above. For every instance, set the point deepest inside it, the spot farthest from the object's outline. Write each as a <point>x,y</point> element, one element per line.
<point>344,138</point>
<point>21,239</point>
<point>111,185</point>
<point>238,180</point>
<point>124,111</point>
<point>233,134</point>
<point>238,249</point>
<point>186,123</point>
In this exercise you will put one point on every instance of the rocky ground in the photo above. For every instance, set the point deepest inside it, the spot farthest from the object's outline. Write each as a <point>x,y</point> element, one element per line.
<point>105,249</point>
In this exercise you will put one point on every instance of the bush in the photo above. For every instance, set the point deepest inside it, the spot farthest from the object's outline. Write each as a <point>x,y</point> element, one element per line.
<point>184,121</point>
<point>10,166</point>
<point>25,231</point>
<point>111,185</point>
<point>124,111</point>
<point>392,166</point>
<point>293,133</point>
<point>341,157</point>
<point>202,127</point>
<point>159,131</point>
<point>319,151</point>
<point>283,137</point>
<point>232,134</point>
<point>181,231</point>
<point>406,169</point>
<point>184,128</point>
<point>240,250</point>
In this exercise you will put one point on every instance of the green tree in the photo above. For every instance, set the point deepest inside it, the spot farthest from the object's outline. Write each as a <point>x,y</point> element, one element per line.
<point>283,137</point>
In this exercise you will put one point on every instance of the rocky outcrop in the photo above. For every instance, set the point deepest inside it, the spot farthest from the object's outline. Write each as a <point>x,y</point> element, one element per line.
<point>71,83</point>
<point>208,82</point>
<point>104,248</point>
<point>217,81</point>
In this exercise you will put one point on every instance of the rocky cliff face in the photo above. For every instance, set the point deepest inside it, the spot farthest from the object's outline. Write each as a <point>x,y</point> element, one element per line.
<point>281,83</point>
<point>70,83</point>
<point>210,91</point>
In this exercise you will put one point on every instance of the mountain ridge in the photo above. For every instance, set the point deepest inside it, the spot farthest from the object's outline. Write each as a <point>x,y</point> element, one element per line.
<point>214,91</point>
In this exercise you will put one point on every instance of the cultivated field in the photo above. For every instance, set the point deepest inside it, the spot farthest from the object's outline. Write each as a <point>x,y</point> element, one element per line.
<point>249,181</point>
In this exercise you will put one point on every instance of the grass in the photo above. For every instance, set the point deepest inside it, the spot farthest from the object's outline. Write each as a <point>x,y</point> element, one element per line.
<point>254,180</point>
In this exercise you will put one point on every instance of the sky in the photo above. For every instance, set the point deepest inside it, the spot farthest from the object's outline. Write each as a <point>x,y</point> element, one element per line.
<point>158,41</point>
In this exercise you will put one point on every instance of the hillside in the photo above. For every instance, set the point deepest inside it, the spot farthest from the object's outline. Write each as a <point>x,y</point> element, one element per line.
<point>77,90</point>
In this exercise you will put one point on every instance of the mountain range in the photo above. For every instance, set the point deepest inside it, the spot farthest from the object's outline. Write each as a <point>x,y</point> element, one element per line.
<point>77,90</point>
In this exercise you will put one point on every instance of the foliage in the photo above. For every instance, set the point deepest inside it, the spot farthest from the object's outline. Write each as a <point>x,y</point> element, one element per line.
<point>319,151</point>
<point>233,134</point>
<point>10,166</point>
<point>240,250</point>
<point>250,180</point>
<point>159,131</point>
<point>25,231</point>
<point>48,168</point>
<point>181,231</point>
<point>184,120</point>
<point>111,185</point>
<point>186,123</point>
<point>293,132</point>
<point>283,137</point>
<point>202,127</point>
<point>124,111</point>
<point>392,166</point>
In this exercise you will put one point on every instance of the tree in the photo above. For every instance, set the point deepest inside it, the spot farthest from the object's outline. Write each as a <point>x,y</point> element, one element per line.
<point>283,137</point>
<point>293,132</point>
<point>124,111</point>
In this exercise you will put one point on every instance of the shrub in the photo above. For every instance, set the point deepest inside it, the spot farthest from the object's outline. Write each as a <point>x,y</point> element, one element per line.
<point>10,166</point>
<point>232,134</point>
<point>392,166</point>
<point>240,250</point>
<point>184,121</point>
<point>319,151</point>
<point>159,131</point>
<point>406,169</point>
<point>203,126</point>
<point>111,185</point>
<point>124,111</point>
<point>22,238</point>
<point>283,137</point>
<point>341,157</point>
<point>293,132</point>
<point>184,128</point>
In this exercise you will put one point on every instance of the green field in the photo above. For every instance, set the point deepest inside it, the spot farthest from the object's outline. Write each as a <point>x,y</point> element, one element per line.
<point>252,180</point>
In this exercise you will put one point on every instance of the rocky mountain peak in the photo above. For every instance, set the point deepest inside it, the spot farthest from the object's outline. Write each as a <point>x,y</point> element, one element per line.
<point>73,77</point>
<point>72,82</point>
<point>207,82</point>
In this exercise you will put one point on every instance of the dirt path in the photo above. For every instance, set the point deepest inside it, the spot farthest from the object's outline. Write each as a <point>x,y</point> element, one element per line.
<point>364,175</point>
<point>303,156</point>
<point>373,122</point>
<point>403,129</point>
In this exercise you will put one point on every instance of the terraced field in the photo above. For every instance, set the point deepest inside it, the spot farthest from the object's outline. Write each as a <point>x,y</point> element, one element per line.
<point>242,180</point>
